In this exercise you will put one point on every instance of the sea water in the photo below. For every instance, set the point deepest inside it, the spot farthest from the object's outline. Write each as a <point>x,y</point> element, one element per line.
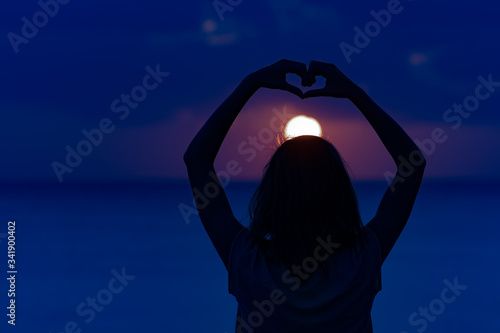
<point>122,258</point>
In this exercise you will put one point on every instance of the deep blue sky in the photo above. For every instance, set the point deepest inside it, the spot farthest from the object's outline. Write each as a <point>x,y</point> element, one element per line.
<point>64,79</point>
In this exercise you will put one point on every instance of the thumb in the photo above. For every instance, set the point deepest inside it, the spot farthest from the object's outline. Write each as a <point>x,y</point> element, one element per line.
<point>315,93</point>
<point>294,90</point>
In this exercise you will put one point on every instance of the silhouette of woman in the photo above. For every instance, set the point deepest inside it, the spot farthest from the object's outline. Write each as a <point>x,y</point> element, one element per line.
<point>306,263</point>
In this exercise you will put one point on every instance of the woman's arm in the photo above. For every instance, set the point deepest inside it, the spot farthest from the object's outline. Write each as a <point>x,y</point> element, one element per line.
<point>397,202</point>
<point>206,144</point>
<point>394,138</point>
<point>214,210</point>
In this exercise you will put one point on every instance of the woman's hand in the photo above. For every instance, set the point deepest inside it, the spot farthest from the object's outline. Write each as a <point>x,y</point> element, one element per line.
<point>337,84</point>
<point>274,76</point>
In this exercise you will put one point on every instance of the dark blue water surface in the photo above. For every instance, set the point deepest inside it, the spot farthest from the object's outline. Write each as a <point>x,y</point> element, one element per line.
<point>70,239</point>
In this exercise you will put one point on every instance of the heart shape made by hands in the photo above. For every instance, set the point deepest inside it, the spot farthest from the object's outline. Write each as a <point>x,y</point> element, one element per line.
<point>296,80</point>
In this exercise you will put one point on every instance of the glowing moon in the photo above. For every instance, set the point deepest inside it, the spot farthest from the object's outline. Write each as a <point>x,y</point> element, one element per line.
<point>302,125</point>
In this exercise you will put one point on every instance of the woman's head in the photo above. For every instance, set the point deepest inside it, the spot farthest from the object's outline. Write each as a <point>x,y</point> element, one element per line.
<point>305,193</point>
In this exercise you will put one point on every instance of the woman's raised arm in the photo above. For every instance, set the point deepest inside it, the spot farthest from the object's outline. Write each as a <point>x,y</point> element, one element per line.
<point>206,144</point>
<point>214,210</point>
<point>397,202</point>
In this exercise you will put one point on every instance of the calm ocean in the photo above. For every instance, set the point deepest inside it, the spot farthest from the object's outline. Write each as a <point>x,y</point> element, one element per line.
<point>121,258</point>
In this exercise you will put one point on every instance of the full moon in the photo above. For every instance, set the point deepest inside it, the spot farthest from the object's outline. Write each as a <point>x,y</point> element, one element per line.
<point>302,125</point>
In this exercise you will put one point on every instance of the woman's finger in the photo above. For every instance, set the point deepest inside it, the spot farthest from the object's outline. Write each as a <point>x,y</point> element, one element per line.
<point>295,67</point>
<point>317,68</point>
<point>315,93</point>
<point>294,90</point>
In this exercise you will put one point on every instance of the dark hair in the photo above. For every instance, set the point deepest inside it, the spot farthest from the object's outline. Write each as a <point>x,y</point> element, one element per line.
<point>305,193</point>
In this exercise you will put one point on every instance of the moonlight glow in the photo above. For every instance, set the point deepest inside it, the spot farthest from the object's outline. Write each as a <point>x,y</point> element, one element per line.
<point>302,125</point>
